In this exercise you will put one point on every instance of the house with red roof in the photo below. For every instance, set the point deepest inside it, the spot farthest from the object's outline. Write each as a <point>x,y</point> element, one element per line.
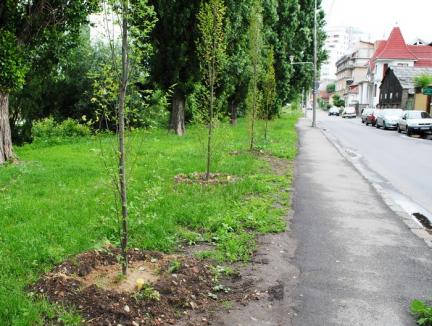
<point>393,52</point>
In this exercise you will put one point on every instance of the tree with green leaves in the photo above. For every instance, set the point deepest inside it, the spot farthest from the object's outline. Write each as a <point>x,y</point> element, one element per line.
<point>235,79</point>
<point>338,101</point>
<point>175,63</point>
<point>26,29</point>
<point>255,53</point>
<point>211,48</point>
<point>423,80</point>
<point>114,85</point>
<point>331,88</point>
<point>269,90</point>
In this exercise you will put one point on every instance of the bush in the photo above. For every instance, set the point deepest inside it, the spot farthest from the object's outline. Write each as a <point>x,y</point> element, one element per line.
<point>49,131</point>
<point>422,312</point>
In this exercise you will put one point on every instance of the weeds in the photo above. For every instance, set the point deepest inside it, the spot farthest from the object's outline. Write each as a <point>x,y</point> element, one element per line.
<point>147,293</point>
<point>422,312</point>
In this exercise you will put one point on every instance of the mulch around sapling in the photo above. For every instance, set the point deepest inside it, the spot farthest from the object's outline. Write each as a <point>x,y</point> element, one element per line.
<point>176,287</point>
<point>200,178</point>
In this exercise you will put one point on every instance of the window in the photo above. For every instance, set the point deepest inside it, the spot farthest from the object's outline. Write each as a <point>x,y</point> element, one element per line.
<point>391,96</point>
<point>385,96</point>
<point>397,95</point>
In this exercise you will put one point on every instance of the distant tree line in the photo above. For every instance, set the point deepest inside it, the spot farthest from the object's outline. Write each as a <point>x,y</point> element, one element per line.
<point>50,67</point>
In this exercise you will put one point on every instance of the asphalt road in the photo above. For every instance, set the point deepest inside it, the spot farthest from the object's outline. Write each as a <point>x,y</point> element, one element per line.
<point>359,263</point>
<point>403,163</point>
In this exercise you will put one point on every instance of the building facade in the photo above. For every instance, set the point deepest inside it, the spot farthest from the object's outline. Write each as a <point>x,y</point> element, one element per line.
<point>339,41</point>
<point>398,89</point>
<point>390,53</point>
<point>351,72</point>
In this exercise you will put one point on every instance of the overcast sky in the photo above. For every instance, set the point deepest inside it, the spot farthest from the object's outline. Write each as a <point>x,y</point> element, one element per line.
<point>378,17</point>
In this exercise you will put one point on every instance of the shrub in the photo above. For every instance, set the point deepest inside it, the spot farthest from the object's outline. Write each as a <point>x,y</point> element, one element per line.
<point>49,131</point>
<point>422,312</point>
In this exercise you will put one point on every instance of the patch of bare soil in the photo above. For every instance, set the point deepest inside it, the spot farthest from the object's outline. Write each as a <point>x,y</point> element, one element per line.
<point>159,289</point>
<point>200,178</point>
<point>280,166</point>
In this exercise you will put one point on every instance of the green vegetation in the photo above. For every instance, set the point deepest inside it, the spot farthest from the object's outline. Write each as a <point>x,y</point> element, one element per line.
<point>147,293</point>
<point>57,202</point>
<point>212,54</point>
<point>331,88</point>
<point>422,312</point>
<point>338,101</point>
<point>47,131</point>
<point>423,80</point>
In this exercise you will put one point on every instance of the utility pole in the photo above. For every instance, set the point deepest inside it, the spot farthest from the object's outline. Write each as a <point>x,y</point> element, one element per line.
<point>315,70</point>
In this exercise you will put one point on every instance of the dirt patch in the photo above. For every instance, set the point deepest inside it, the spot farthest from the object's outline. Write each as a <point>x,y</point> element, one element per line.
<point>280,166</point>
<point>200,178</point>
<point>175,287</point>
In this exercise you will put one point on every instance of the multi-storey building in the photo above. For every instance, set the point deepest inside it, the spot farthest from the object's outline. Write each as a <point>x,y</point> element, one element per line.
<point>340,41</point>
<point>352,72</point>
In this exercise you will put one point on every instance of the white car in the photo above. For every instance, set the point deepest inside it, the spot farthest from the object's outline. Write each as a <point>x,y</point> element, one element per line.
<point>415,122</point>
<point>388,118</point>
<point>349,113</point>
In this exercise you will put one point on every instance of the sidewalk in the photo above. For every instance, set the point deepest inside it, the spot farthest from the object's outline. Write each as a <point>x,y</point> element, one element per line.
<point>359,263</point>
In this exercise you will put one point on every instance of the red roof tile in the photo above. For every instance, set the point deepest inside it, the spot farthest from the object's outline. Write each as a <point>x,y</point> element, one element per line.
<point>423,54</point>
<point>396,47</point>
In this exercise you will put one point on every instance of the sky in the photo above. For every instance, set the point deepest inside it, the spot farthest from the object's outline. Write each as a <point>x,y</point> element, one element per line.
<point>377,17</point>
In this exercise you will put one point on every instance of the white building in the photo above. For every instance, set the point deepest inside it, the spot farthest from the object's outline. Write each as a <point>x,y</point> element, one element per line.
<point>340,41</point>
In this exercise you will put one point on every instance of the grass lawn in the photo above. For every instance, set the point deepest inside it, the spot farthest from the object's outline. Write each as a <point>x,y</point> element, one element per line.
<point>58,202</point>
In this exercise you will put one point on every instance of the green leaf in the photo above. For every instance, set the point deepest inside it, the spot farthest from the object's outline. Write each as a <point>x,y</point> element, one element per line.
<point>417,306</point>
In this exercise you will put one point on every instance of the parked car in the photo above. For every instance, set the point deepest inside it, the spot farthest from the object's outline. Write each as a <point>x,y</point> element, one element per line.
<point>371,117</point>
<point>364,113</point>
<point>349,113</point>
<point>333,111</point>
<point>415,122</point>
<point>388,118</point>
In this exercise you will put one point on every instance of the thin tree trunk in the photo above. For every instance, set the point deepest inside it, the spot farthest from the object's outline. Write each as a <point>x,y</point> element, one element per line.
<point>252,138</point>
<point>177,121</point>
<point>233,109</point>
<point>122,161</point>
<point>6,153</point>
<point>209,140</point>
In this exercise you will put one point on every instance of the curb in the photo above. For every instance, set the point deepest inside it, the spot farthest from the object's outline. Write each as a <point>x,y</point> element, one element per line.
<point>412,223</point>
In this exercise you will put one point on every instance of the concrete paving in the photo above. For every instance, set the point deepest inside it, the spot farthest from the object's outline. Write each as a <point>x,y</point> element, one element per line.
<point>359,263</point>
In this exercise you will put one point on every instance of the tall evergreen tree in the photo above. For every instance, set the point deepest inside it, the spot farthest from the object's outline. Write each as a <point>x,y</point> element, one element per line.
<point>236,77</point>
<point>175,62</point>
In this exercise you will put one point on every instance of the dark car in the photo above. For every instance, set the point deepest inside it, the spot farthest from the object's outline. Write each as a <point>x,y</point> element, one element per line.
<point>371,118</point>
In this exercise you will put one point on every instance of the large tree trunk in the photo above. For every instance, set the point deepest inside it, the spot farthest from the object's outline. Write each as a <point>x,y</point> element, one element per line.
<point>177,121</point>
<point>5,131</point>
